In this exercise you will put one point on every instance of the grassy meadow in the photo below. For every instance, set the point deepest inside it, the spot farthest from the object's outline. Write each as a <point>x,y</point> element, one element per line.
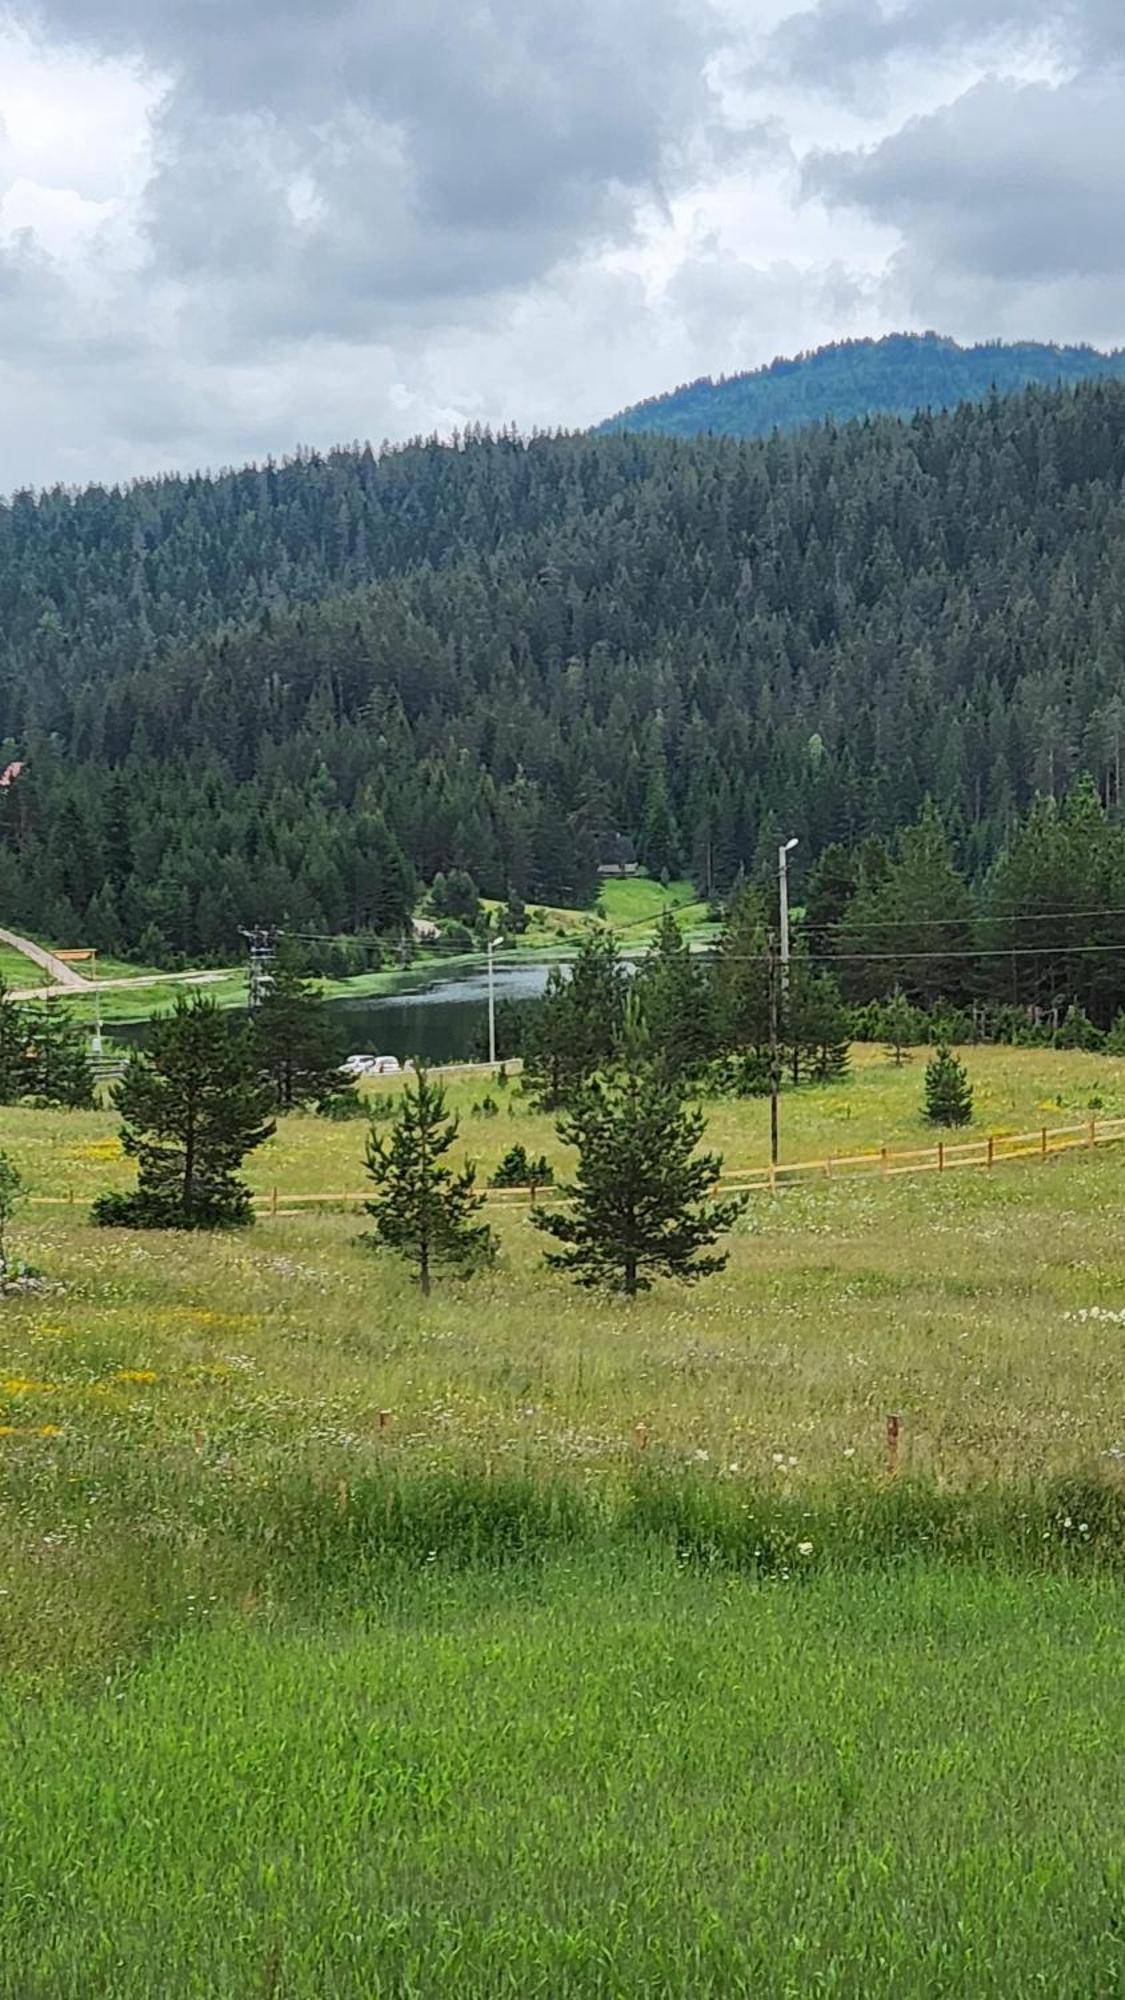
<point>525,1642</point>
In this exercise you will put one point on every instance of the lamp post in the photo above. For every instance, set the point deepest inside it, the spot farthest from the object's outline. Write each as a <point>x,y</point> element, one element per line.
<point>783,854</point>
<point>492,945</point>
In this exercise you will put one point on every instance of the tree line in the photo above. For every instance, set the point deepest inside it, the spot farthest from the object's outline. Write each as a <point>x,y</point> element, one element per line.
<point>293,694</point>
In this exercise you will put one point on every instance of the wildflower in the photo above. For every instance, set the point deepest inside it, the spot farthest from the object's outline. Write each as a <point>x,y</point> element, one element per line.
<point>804,1548</point>
<point>136,1375</point>
<point>49,1431</point>
<point>849,1451</point>
<point>779,1458</point>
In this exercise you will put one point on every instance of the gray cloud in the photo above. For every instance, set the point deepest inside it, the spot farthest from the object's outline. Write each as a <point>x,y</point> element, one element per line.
<point>1011,183</point>
<point>829,42</point>
<point>328,165</point>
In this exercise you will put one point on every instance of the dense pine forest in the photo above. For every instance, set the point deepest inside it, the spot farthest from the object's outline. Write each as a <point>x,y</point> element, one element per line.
<point>292,693</point>
<point>895,376</point>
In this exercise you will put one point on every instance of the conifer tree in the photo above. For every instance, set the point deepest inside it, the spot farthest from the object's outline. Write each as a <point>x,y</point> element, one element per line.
<point>823,1031</point>
<point>898,1026</point>
<point>948,1096</point>
<point>579,1023</point>
<point>192,1105</point>
<point>13,1048</point>
<point>58,1068</point>
<point>676,1002</point>
<point>422,1208</point>
<point>740,976</point>
<point>294,1042</point>
<point>640,1204</point>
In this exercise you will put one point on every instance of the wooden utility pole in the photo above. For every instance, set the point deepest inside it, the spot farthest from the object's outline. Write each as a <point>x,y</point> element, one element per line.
<point>775,1048</point>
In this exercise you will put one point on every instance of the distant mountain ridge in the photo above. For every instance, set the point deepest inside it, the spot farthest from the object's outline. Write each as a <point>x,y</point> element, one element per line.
<point>894,376</point>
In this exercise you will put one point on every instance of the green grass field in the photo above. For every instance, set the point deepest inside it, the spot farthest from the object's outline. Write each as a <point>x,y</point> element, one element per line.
<point>18,972</point>
<point>594,1782</point>
<point>521,1642</point>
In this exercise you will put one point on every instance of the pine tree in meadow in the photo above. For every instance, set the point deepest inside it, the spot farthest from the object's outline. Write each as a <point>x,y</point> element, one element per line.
<point>422,1208</point>
<point>13,1048</point>
<point>898,1027</point>
<point>676,1001</point>
<point>824,1030</point>
<point>578,1024</point>
<point>640,1204</point>
<point>948,1093</point>
<point>294,1043</point>
<point>57,1067</point>
<point>192,1105</point>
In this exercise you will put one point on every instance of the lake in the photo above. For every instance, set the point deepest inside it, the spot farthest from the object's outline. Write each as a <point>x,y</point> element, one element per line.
<point>435,1017</point>
<point>444,1020</point>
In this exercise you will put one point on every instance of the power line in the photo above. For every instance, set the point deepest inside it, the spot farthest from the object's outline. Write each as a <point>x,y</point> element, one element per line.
<point>896,957</point>
<point>952,923</point>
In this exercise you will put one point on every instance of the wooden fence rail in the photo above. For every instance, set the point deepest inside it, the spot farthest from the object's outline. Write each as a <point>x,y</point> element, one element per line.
<point>994,1150</point>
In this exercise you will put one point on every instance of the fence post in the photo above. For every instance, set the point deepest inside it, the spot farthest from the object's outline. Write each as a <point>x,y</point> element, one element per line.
<point>1043,1143</point>
<point>1093,1133</point>
<point>991,1151</point>
<point>941,1156</point>
<point>273,1203</point>
<point>828,1168</point>
<point>883,1160</point>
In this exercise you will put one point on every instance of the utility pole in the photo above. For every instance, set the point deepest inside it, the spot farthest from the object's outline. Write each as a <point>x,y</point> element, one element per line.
<point>775,1051</point>
<point>783,854</point>
<point>492,945</point>
<point>259,978</point>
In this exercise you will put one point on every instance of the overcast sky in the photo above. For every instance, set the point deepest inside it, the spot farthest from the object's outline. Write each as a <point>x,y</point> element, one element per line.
<point>231,226</point>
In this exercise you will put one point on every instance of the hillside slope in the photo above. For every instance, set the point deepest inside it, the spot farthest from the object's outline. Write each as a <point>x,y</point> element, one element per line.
<point>288,693</point>
<point>860,378</point>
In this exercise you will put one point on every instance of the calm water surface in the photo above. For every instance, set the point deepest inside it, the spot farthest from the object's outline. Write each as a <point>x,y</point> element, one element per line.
<point>435,1017</point>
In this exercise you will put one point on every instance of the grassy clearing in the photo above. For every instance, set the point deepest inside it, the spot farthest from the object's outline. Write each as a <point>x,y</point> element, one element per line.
<point>18,972</point>
<point>985,1312</point>
<point>527,1643</point>
<point>594,1782</point>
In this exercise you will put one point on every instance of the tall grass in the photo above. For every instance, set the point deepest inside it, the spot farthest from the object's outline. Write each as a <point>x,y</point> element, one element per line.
<point>608,1779</point>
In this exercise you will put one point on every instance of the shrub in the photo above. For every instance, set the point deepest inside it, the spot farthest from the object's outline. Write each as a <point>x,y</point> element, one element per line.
<point>518,1169</point>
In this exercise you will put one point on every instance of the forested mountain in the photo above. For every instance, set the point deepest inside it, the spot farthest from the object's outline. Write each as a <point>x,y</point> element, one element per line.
<point>287,694</point>
<point>895,376</point>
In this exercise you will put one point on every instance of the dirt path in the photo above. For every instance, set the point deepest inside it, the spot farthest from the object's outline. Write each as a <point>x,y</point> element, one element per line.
<point>64,975</point>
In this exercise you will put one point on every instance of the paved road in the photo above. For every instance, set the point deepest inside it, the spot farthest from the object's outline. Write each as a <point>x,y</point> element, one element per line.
<point>64,976</point>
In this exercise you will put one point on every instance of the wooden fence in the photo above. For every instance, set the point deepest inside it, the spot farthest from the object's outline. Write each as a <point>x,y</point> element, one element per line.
<point>996,1150</point>
<point>944,1156</point>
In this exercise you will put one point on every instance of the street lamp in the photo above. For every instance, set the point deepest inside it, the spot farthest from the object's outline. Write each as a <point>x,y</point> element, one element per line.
<point>492,945</point>
<point>783,854</point>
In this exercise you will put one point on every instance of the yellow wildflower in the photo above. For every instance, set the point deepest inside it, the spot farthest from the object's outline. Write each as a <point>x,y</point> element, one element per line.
<point>136,1375</point>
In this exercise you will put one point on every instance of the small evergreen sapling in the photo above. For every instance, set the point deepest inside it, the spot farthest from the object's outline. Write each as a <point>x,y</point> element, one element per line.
<point>518,1169</point>
<point>422,1209</point>
<point>898,1027</point>
<point>948,1092</point>
<point>640,1205</point>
